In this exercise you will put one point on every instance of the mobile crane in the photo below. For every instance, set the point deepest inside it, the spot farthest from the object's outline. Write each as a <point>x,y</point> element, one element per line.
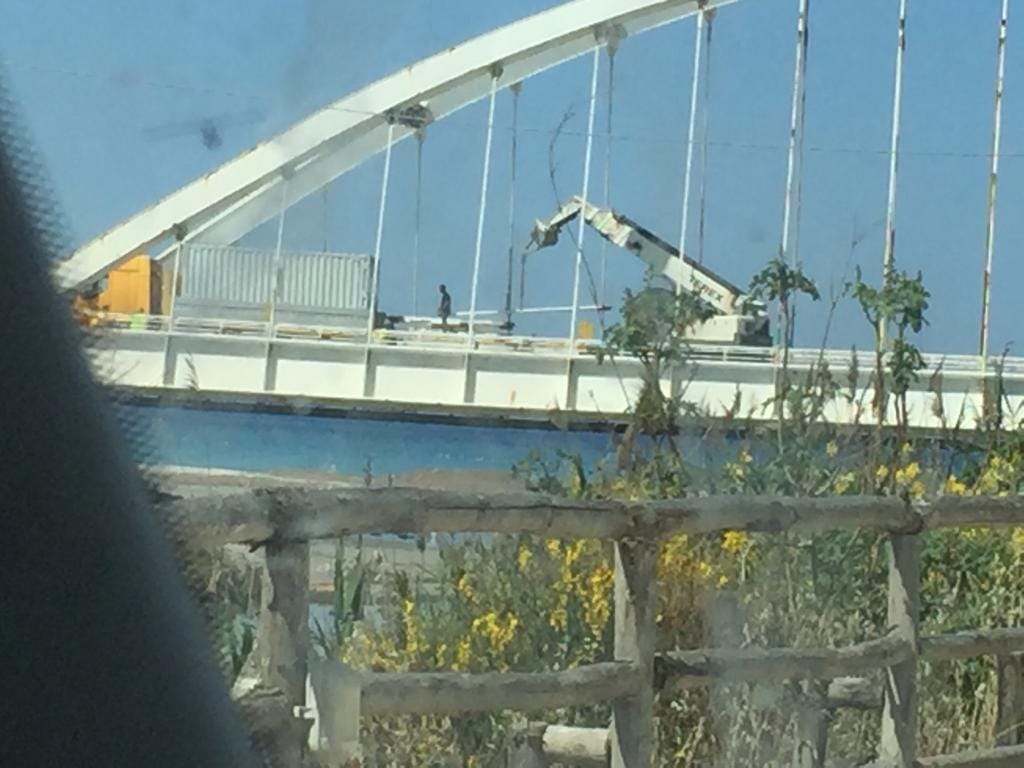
<point>738,319</point>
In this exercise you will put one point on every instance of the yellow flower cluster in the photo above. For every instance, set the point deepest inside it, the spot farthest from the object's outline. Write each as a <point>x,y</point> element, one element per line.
<point>954,486</point>
<point>465,588</point>
<point>907,478</point>
<point>998,477</point>
<point>597,605</point>
<point>737,470</point>
<point>1017,539</point>
<point>463,655</point>
<point>844,481</point>
<point>372,651</point>
<point>559,618</point>
<point>413,634</point>
<point>734,542</point>
<point>580,579</point>
<point>675,556</point>
<point>680,563</point>
<point>497,630</point>
<point>523,557</point>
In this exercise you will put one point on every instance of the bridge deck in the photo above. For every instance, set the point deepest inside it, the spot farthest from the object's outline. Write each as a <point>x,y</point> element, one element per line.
<point>507,376</point>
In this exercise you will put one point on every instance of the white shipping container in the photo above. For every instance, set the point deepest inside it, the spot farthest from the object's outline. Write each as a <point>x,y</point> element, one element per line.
<point>234,282</point>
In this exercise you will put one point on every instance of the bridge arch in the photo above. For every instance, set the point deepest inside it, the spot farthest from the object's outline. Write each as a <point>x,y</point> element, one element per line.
<point>246,191</point>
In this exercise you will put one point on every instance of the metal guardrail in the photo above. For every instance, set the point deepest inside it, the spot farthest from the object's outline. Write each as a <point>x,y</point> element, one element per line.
<point>437,340</point>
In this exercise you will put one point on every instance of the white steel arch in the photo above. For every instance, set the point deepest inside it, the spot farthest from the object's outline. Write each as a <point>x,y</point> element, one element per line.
<point>235,198</point>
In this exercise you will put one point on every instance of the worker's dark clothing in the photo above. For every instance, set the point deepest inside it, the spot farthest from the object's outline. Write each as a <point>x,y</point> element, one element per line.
<point>445,309</point>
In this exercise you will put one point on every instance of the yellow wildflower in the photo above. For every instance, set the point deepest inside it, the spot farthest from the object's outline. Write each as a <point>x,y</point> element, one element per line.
<point>1017,538</point>
<point>497,631</point>
<point>523,557</point>
<point>559,619</point>
<point>734,542</point>
<point>573,552</point>
<point>745,457</point>
<point>844,482</point>
<point>998,477</point>
<point>463,655</point>
<point>553,546</point>
<point>954,486</point>
<point>906,475</point>
<point>723,580</point>
<point>439,653</point>
<point>881,473</point>
<point>412,628</point>
<point>831,448</point>
<point>464,588</point>
<point>597,607</point>
<point>674,557</point>
<point>906,478</point>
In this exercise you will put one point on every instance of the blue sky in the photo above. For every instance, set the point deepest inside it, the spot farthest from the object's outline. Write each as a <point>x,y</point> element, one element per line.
<point>103,87</point>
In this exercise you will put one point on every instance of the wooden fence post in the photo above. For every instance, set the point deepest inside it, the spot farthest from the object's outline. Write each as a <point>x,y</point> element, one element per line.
<point>812,726</point>
<point>1010,718</point>
<point>527,747</point>
<point>899,690</point>
<point>724,617</point>
<point>282,641</point>
<point>632,737</point>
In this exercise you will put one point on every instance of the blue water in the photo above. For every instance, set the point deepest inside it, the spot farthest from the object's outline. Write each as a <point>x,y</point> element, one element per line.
<point>260,441</point>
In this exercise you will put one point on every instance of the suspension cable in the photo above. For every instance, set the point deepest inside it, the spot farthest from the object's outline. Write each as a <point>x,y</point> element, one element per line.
<point>795,169</point>
<point>375,280</point>
<point>794,128</point>
<point>990,227</point>
<point>275,277</point>
<point>515,88</point>
<point>522,280</point>
<point>175,276</point>
<point>585,191</point>
<point>420,135</point>
<point>705,127</point>
<point>694,90</point>
<point>888,254</point>
<point>612,49</point>
<point>798,215</point>
<point>483,207</point>
<point>324,222</point>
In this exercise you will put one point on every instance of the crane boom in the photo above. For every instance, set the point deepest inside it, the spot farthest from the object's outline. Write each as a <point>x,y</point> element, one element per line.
<point>725,298</point>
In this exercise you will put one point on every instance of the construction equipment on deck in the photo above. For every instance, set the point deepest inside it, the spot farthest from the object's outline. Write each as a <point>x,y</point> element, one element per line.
<point>738,318</point>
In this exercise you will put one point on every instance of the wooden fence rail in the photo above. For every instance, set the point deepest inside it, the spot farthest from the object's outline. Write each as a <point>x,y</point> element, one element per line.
<point>283,521</point>
<point>305,515</point>
<point>424,693</point>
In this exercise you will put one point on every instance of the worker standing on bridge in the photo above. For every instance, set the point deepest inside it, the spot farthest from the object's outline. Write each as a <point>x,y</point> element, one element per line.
<point>445,307</point>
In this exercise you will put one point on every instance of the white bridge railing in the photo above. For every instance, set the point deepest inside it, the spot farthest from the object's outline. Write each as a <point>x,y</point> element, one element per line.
<point>514,375</point>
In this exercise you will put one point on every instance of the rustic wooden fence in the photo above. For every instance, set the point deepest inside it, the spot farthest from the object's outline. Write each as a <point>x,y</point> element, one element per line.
<point>285,521</point>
